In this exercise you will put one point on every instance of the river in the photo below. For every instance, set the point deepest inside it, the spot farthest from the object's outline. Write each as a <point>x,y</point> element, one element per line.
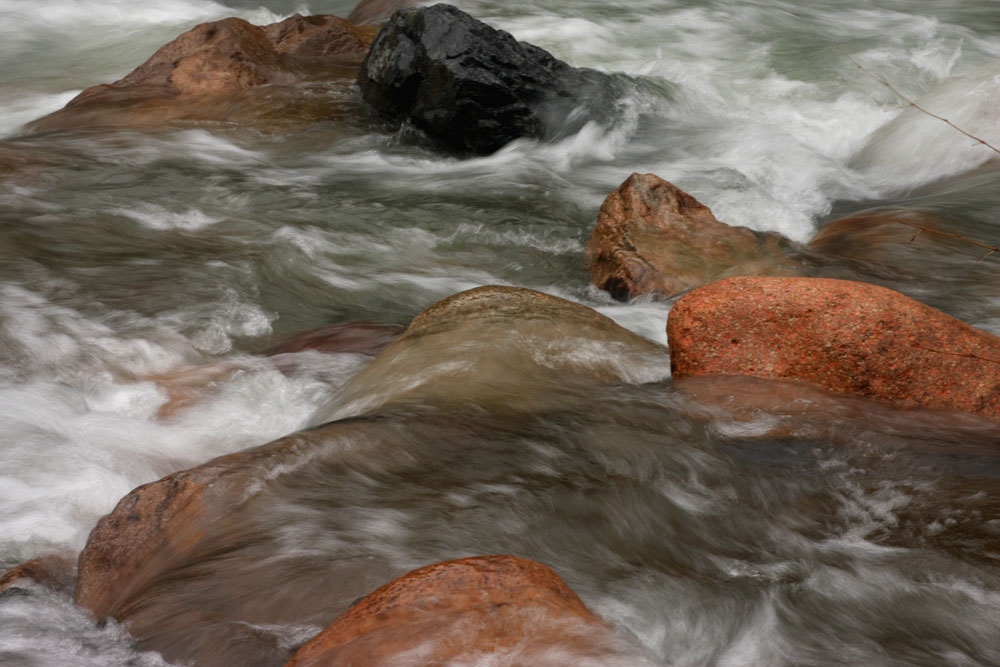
<point>835,533</point>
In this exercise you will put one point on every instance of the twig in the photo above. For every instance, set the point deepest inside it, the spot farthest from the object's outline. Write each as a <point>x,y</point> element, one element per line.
<point>916,106</point>
<point>951,235</point>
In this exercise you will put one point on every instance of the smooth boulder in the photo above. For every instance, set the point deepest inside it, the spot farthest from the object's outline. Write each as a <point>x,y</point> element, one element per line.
<point>653,238</point>
<point>848,337</point>
<point>506,347</point>
<point>469,86</point>
<point>202,74</point>
<point>485,609</point>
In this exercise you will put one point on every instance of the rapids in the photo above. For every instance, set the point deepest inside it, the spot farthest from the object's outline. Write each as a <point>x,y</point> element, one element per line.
<point>713,524</point>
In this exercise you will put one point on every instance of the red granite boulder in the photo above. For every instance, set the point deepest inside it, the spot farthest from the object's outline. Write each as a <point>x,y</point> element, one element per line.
<point>848,337</point>
<point>202,74</point>
<point>499,609</point>
<point>653,238</point>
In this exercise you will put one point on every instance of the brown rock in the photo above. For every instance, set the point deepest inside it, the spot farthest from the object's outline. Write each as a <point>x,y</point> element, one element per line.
<point>195,567</point>
<point>653,238</point>
<point>377,11</point>
<point>201,74</point>
<point>53,571</point>
<point>848,337</point>
<point>498,607</point>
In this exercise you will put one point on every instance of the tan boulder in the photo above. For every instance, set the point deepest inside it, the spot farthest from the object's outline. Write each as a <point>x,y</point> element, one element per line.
<point>503,347</point>
<point>500,609</point>
<point>212,71</point>
<point>653,238</point>
<point>848,337</point>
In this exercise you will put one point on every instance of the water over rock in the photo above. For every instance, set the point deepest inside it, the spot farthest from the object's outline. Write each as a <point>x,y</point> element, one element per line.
<point>201,74</point>
<point>653,238</point>
<point>203,564</point>
<point>504,345</point>
<point>52,570</point>
<point>848,337</point>
<point>471,87</point>
<point>499,609</point>
<point>350,337</point>
<point>376,11</point>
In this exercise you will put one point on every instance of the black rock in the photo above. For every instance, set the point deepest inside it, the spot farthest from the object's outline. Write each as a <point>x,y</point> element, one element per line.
<point>470,86</point>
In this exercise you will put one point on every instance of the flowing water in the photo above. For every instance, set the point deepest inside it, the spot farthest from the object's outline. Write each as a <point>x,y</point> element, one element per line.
<point>713,525</point>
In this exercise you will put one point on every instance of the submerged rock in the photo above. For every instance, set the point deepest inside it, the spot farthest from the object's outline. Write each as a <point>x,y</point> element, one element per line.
<point>376,11</point>
<point>350,337</point>
<point>469,86</point>
<point>188,386</point>
<point>848,337</point>
<point>195,570</point>
<point>653,238</point>
<point>197,75</point>
<point>54,571</point>
<point>500,609</point>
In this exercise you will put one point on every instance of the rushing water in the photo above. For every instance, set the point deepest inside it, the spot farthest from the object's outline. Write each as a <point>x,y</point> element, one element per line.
<point>754,531</point>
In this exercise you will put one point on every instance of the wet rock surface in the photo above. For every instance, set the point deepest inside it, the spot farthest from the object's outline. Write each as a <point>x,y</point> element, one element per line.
<point>498,608</point>
<point>205,73</point>
<point>848,337</point>
<point>471,87</point>
<point>53,571</point>
<point>653,238</point>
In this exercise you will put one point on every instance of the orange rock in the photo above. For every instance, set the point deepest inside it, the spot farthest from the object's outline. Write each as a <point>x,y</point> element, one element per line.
<point>653,238</point>
<point>848,337</point>
<point>196,75</point>
<point>503,607</point>
<point>54,571</point>
<point>192,567</point>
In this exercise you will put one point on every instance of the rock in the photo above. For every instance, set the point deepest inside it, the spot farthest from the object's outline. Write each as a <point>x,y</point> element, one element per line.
<point>469,86</point>
<point>353,337</point>
<point>194,564</point>
<point>847,337</point>
<point>498,609</point>
<point>203,564</point>
<point>201,74</point>
<point>53,571</point>
<point>505,348</point>
<point>906,242</point>
<point>653,238</point>
<point>376,11</point>
<point>188,386</point>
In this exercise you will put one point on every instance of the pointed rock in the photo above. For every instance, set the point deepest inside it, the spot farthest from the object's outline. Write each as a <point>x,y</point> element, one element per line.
<point>653,238</point>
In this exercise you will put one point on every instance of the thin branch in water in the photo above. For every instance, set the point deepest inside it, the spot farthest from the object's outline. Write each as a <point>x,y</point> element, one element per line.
<point>950,235</point>
<point>916,106</point>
